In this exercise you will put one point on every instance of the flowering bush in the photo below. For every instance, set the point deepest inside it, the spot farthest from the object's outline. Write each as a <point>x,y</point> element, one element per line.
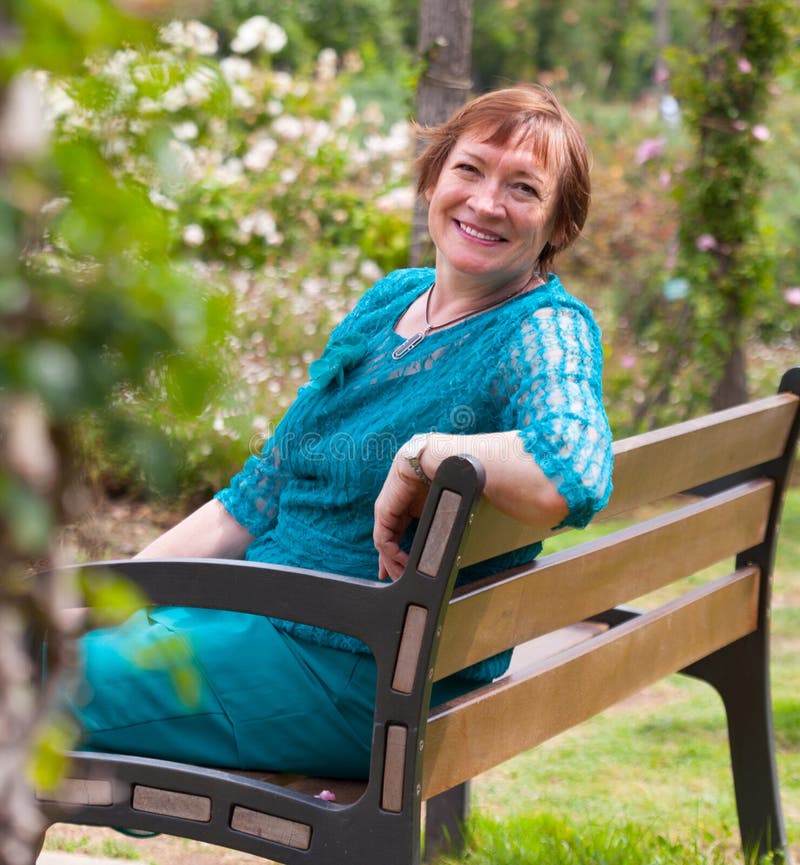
<point>276,188</point>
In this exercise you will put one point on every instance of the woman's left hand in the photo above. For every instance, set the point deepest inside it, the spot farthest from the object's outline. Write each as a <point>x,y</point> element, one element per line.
<point>399,501</point>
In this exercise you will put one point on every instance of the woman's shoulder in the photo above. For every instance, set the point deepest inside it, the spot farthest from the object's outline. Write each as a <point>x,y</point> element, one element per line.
<point>549,309</point>
<point>552,298</point>
<point>552,293</point>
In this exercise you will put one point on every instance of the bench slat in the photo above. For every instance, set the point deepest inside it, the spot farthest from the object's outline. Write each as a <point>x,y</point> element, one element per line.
<point>571,585</point>
<point>482,729</point>
<point>661,463</point>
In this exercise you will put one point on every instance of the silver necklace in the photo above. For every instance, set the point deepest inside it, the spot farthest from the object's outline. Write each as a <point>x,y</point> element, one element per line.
<point>413,341</point>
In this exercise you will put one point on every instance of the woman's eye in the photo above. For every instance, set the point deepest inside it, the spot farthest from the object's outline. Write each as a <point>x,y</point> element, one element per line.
<point>526,189</point>
<point>465,166</point>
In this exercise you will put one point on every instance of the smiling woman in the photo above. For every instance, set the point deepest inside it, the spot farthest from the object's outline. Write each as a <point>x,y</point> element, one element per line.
<point>485,354</point>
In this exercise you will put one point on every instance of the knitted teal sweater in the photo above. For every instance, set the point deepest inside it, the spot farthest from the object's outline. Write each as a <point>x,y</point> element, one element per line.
<point>532,364</point>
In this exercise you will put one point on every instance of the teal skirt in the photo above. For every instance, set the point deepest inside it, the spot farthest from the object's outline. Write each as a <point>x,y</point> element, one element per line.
<point>228,689</point>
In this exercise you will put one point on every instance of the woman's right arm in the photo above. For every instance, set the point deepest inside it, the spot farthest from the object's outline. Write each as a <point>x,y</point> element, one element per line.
<point>210,532</point>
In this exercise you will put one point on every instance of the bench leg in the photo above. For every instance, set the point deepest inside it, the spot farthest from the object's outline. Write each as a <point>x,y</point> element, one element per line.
<point>445,817</point>
<point>740,673</point>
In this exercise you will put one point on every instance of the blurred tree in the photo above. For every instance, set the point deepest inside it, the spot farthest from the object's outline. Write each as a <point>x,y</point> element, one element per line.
<point>606,47</point>
<point>724,269</point>
<point>72,337</point>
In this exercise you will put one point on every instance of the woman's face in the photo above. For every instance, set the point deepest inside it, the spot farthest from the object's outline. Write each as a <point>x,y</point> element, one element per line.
<point>491,212</point>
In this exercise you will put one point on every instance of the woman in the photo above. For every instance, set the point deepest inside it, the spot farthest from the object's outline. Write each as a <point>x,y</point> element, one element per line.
<point>484,354</point>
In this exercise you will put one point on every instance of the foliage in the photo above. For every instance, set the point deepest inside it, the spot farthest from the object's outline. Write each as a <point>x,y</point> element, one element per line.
<point>368,33</point>
<point>724,269</point>
<point>604,48</point>
<point>284,195</point>
<point>75,330</point>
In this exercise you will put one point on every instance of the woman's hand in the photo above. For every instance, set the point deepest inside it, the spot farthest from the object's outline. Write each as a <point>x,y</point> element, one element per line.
<point>399,501</point>
<point>514,485</point>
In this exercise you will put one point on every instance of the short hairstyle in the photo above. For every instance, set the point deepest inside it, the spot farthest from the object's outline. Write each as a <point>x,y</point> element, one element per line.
<point>524,113</point>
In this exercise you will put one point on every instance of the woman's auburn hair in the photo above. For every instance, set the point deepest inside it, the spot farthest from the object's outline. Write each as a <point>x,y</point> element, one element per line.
<point>528,112</point>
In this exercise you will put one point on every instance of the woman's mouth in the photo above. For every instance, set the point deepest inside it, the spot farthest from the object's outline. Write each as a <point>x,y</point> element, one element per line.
<point>479,233</point>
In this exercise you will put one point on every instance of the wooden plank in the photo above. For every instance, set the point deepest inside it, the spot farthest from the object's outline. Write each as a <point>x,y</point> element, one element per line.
<point>582,581</point>
<point>394,768</point>
<point>78,791</point>
<point>688,454</point>
<point>410,645</point>
<point>154,800</point>
<point>289,833</point>
<point>654,465</point>
<point>430,559</point>
<point>552,643</point>
<point>482,729</point>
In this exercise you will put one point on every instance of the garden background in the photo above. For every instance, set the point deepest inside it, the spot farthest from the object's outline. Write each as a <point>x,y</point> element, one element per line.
<point>187,206</point>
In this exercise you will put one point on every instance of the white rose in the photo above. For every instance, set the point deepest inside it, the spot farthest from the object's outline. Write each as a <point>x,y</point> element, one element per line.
<point>193,234</point>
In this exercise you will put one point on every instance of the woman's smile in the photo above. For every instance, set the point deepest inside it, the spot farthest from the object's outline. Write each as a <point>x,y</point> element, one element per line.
<point>480,234</point>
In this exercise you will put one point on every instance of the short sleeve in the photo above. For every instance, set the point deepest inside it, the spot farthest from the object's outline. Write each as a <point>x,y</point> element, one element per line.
<point>553,385</point>
<point>253,495</point>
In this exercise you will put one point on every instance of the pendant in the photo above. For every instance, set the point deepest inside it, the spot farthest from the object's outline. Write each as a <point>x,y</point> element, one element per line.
<point>412,342</point>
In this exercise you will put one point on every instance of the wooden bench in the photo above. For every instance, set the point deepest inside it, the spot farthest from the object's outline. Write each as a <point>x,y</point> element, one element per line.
<point>736,463</point>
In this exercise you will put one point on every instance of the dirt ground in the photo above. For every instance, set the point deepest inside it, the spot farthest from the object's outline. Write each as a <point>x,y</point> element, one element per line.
<point>161,850</point>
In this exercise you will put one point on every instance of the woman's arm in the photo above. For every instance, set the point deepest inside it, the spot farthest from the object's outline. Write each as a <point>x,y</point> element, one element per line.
<point>210,532</point>
<point>514,485</point>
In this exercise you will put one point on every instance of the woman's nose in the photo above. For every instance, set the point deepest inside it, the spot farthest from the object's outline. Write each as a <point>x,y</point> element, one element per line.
<point>486,199</point>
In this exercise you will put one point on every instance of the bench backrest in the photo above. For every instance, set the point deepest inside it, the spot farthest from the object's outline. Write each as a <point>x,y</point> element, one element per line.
<point>736,463</point>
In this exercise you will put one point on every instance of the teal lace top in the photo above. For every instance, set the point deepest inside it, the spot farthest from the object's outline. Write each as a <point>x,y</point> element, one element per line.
<point>532,364</point>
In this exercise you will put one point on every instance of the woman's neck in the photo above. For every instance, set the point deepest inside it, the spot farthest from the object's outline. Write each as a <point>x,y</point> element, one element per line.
<point>457,293</point>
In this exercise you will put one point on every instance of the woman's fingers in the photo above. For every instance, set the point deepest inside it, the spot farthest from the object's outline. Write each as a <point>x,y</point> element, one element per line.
<point>399,500</point>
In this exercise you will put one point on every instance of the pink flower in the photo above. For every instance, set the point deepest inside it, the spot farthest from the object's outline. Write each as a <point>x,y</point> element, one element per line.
<point>706,242</point>
<point>326,796</point>
<point>628,361</point>
<point>649,149</point>
<point>792,295</point>
<point>760,132</point>
<point>745,66</point>
<point>739,125</point>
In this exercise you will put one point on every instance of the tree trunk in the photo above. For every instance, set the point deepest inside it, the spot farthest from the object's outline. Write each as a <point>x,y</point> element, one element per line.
<point>445,45</point>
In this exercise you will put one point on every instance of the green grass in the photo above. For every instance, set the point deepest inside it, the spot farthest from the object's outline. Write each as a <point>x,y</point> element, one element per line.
<point>110,848</point>
<point>547,840</point>
<point>647,782</point>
